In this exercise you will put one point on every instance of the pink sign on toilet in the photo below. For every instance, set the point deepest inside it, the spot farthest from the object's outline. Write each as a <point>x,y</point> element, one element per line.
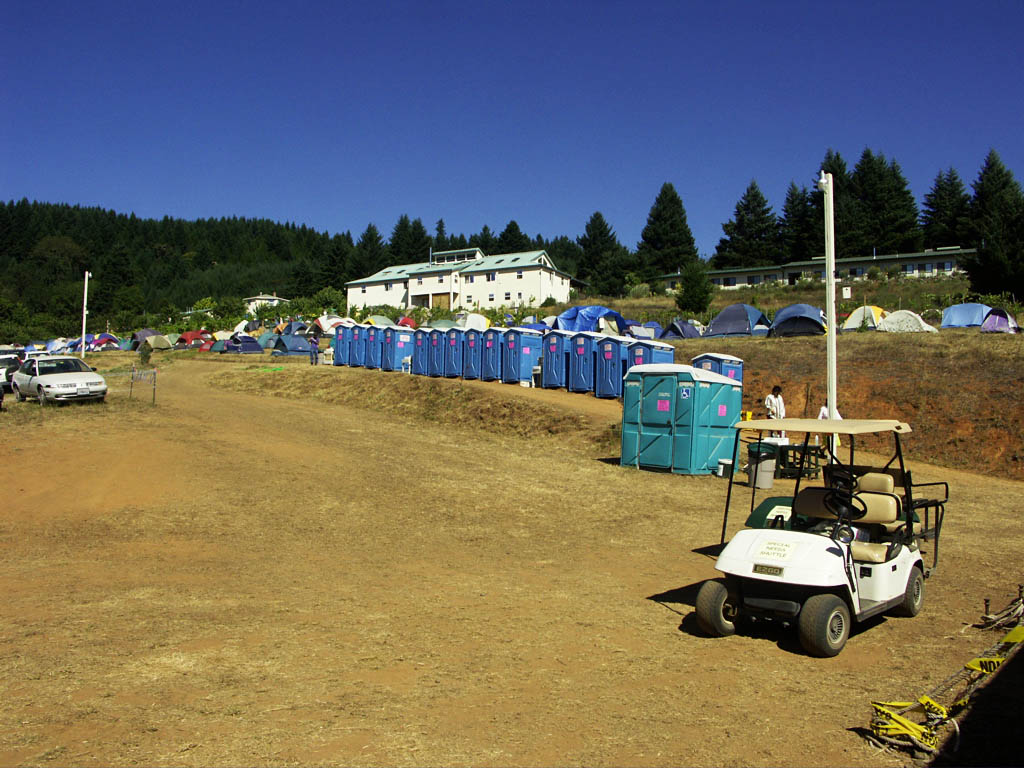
<point>721,410</point>
<point>663,405</point>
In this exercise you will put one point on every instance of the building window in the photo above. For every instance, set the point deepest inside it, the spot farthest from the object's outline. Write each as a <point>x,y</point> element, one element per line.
<point>728,281</point>
<point>362,289</point>
<point>770,278</point>
<point>908,269</point>
<point>820,274</point>
<point>440,278</point>
<point>490,297</point>
<point>492,276</point>
<point>944,266</point>
<point>469,299</point>
<point>419,281</point>
<point>926,268</point>
<point>519,275</point>
<point>754,280</point>
<point>856,271</point>
<point>519,295</point>
<point>508,295</point>
<point>469,278</point>
<point>716,281</point>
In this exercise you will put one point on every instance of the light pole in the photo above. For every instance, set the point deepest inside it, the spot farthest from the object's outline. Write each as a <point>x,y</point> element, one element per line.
<point>827,185</point>
<point>85,311</point>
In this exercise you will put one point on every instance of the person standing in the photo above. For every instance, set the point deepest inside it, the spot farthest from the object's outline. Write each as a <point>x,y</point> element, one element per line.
<point>314,350</point>
<point>776,406</point>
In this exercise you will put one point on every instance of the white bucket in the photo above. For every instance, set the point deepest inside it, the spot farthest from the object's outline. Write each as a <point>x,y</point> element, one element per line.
<point>724,467</point>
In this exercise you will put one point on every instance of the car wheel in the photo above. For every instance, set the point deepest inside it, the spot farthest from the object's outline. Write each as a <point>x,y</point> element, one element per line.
<point>824,625</point>
<point>716,611</point>
<point>41,395</point>
<point>913,597</point>
<point>17,394</point>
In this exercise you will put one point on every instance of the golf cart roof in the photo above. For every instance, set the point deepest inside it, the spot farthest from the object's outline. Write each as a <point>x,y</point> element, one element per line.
<point>826,426</point>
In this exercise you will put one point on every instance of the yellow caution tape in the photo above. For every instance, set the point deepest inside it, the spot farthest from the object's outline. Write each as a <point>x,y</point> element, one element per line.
<point>985,664</point>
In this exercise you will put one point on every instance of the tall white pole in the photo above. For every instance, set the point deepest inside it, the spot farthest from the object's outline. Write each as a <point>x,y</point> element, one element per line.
<point>85,311</point>
<point>827,185</point>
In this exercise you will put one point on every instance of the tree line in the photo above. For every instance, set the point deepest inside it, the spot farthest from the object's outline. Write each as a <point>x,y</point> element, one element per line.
<point>144,268</point>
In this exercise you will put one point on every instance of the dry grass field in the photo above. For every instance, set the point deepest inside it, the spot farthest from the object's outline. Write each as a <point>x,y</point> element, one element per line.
<point>285,565</point>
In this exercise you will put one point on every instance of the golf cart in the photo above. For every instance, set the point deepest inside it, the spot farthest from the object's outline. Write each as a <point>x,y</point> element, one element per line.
<point>850,548</point>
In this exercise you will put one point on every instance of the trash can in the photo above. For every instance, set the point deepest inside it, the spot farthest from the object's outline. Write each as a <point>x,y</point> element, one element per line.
<point>761,464</point>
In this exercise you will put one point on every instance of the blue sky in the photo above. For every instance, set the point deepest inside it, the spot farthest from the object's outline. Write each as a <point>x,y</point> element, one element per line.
<point>336,114</point>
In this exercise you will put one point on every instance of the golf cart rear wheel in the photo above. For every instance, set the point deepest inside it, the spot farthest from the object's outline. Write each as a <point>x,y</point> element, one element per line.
<point>824,625</point>
<point>716,612</point>
<point>913,598</point>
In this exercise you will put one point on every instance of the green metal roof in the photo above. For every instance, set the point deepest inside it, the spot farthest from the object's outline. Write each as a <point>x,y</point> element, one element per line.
<point>388,274</point>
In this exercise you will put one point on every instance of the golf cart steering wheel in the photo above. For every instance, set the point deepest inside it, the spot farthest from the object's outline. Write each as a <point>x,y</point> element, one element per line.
<point>840,499</point>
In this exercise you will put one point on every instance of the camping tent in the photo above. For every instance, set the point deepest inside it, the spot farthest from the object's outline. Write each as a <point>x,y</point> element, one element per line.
<point>475,322</point>
<point>292,328</point>
<point>680,329</point>
<point>246,325</point>
<point>798,320</point>
<point>444,325</point>
<point>291,344</point>
<point>221,335</point>
<point>407,322</point>
<point>905,321</point>
<point>188,337</point>
<point>327,323</point>
<point>864,317</point>
<point>173,337</point>
<point>964,315</point>
<point>380,320</point>
<point>138,336</point>
<point>267,339</point>
<point>591,318</point>
<point>243,344</point>
<point>739,320</point>
<point>998,320</point>
<point>157,341</point>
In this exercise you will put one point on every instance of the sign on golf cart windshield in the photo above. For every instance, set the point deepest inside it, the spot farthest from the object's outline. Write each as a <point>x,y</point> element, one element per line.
<point>776,550</point>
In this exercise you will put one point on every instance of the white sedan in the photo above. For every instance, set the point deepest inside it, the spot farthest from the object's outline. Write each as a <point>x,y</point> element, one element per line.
<point>57,379</point>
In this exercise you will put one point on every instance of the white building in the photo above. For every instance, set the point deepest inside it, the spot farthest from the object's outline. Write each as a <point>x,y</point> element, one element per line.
<point>465,278</point>
<point>252,303</point>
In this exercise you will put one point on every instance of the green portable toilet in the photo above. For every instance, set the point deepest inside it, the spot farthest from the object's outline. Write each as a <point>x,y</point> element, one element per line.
<point>678,417</point>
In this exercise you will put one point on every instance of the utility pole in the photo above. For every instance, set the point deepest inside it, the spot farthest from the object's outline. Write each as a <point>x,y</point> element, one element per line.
<point>827,185</point>
<point>85,311</point>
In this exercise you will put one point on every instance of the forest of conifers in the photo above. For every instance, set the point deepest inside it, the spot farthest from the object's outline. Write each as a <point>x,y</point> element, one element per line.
<point>143,268</point>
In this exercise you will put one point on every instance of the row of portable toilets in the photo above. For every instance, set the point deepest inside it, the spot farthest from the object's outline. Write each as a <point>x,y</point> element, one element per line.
<point>577,361</point>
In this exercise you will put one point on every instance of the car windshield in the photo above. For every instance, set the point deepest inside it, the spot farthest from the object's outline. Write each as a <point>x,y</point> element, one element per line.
<point>71,365</point>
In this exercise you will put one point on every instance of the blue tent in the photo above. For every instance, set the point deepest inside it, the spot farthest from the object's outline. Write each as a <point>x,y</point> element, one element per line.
<point>291,345</point>
<point>243,344</point>
<point>964,315</point>
<point>267,339</point>
<point>798,320</point>
<point>294,328</point>
<point>679,329</point>
<point>586,318</point>
<point>739,320</point>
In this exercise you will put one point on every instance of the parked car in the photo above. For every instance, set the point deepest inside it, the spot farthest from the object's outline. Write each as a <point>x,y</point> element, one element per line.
<point>57,379</point>
<point>9,363</point>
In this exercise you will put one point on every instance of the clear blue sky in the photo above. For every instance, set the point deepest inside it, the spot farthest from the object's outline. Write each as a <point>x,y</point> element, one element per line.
<point>338,114</point>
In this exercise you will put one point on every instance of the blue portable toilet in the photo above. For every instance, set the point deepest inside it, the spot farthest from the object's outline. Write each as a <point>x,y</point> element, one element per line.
<point>522,353</point>
<point>647,351</point>
<point>420,351</point>
<point>492,356</point>
<point>727,365</point>
<point>609,367</point>
<point>454,344</point>
<point>435,352</point>
<point>582,352</point>
<point>555,365</point>
<point>398,345</point>
<point>679,418</point>
<point>357,346</point>
<point>342,338</point>
<point>374,346</point>
<point>472,354</point>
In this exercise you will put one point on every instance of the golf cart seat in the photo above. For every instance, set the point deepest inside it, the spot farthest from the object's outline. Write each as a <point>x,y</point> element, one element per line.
<point>878,482</point>
<point>883,509</point>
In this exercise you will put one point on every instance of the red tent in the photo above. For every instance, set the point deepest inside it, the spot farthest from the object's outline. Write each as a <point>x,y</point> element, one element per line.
<point>408,322</point>
<point>189,336</point>
<point>206,346</point>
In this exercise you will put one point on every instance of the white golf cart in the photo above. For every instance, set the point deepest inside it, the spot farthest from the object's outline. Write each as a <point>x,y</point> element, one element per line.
<point>850,548</point>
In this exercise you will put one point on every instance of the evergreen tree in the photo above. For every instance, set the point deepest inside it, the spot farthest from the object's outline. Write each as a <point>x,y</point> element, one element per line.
<point>410,243</point>
<point>666,242</point>
<point>484,241</point>
<point>997,224</point>
<point>565,254</point>
<point>598,239</point>
<point>695,289</point>
<point>798,226</point>
<point>887,210</point>
<point>946,218</point>
<point>370,255</point>
<point>440,237</point>
<point>848,226</point>
<point>751,236</point>
<point>512,240</point>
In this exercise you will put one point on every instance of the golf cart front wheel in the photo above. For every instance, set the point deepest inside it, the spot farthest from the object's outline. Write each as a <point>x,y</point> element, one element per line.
<point>716,612</point>
<point>824,625</point>
<point>913,597</point>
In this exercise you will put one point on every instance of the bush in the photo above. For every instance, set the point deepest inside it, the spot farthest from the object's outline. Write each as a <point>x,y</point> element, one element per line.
<point>549,302</point>
<point>640,291</point>
<point>145,352</point>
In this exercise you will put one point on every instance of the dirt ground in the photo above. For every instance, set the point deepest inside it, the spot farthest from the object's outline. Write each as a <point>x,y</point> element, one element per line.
<point>284,577</point>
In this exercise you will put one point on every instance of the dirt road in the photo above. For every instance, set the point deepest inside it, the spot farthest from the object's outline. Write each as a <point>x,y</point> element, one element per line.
<point>234,578</point>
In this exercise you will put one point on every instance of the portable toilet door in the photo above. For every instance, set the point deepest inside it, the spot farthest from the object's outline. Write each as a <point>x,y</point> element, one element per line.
<point>374,346</point>
<point>492,355</point>
<point>471,354</point>
<point>397,346</point>
<point>648,352</point>
<point>555,365</point>
<point>649,403</point>
<point>387,351</point>
<point>420,354</point>
<point>718,406</point>
<point>608,370</point>
<point>522,353</point>
<point>342,338</point>
<point>726,365</point>
<point>357,347</point>
<point>454,344</point>
<point>435,353</point>
<point>581,361</point>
